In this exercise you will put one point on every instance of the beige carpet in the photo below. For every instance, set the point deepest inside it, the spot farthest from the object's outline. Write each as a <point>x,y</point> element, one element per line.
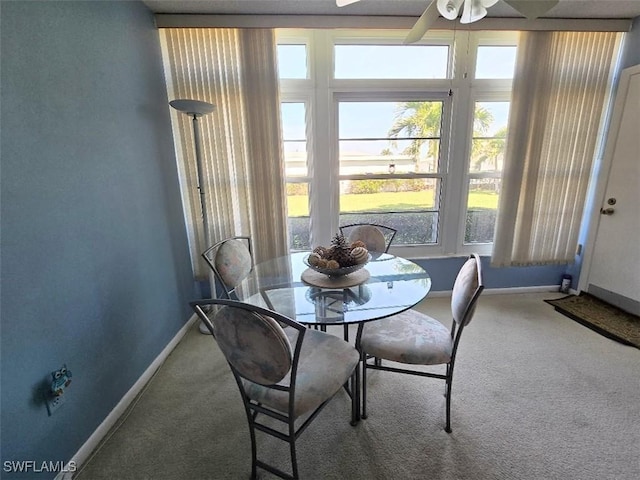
<point>535,396</point>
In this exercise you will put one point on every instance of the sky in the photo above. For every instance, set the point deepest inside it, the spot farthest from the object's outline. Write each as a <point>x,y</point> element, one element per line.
<point>373,119</point>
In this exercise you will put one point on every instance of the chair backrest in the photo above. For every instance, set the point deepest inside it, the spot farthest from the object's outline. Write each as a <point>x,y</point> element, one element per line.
<point>252,339</point>
<point>231,261</point>
<point>376,237</point>
<point>466,290</point>
<point>255,345</point>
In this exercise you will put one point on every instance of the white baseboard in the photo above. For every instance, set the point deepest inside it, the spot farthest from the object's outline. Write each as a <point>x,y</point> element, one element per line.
<point>89,446</point>
<point>503,291</point>
<point>516,290</point>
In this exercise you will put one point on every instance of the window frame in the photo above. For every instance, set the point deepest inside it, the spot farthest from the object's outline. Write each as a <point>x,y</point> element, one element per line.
<point>492,95</point>
<point>323,92</point>
<point>442,172</point>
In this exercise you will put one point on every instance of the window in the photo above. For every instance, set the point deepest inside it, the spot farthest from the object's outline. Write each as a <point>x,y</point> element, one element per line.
<point>389,156</point>
<point>485,170</point>
<point>292,61</point>
<point>495,61</point>
<point>382,132</point>
<point>364,61</point>
<point>296,172</point>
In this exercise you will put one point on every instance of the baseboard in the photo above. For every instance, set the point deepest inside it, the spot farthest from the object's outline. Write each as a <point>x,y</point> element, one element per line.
<point>504,291</point>
<point>517,290</point>
<point>89,446</point>
<point>627,304</point>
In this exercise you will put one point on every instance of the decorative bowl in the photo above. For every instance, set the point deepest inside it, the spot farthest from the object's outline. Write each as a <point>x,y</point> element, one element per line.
<point>336,272</point>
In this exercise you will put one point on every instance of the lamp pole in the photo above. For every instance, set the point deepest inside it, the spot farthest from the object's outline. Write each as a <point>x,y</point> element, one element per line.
<point>196,109</point>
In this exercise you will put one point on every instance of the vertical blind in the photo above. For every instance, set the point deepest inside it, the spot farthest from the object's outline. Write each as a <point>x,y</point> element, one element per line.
<point>559,94</point>
<point>243,168</point>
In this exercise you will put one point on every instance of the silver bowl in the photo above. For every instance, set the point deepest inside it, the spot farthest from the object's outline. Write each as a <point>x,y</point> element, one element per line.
<point>336,272</point>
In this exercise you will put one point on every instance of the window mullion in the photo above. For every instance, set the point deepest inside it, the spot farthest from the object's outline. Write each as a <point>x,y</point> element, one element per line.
<point>323,196</point>
<point>461,127</point>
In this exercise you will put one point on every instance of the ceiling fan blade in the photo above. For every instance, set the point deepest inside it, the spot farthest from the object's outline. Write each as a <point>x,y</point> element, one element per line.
<point>344,3</point>
<point>424,23</point>
<point>532,10</point>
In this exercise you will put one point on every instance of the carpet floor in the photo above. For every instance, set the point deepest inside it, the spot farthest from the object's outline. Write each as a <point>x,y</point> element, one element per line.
<point>536,396</point>
<point>601,317</point>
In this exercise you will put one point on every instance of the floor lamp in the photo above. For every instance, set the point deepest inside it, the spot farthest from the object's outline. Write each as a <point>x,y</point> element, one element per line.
<point>196,109</point>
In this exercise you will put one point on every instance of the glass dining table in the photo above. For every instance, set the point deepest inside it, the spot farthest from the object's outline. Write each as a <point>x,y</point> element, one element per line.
<point>394,284</point>
<point>391,285</point>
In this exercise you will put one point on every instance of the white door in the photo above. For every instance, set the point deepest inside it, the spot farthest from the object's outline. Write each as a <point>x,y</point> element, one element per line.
<point>614,273</point>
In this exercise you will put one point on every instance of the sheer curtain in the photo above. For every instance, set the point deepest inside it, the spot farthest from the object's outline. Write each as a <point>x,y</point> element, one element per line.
<point>560,88</point>
<point>236,70</point>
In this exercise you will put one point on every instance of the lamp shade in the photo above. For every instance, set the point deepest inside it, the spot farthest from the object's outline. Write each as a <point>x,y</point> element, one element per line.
<point>192,107</point>
<point>449,9</point>
<point>473,11</point>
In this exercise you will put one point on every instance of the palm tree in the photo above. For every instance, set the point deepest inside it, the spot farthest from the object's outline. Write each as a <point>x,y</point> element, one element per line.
<point>482,121</point>
<point>420,121</point>
<point>487,150</point>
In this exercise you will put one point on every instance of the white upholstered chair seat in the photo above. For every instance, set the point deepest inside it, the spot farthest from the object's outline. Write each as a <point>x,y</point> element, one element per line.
<point>320,353</point>
<point>410,337</point>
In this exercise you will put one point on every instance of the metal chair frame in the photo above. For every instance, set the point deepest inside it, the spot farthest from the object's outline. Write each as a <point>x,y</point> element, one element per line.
<point>388,232</point>
<point>209,256</point>
<point>254,409</point>
<point>456,333</point>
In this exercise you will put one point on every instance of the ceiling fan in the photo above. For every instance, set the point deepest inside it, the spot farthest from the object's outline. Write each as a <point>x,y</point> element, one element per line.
<point>472,11</point>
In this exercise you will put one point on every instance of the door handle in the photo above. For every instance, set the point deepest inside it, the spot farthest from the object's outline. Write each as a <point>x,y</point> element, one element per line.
<point>607,211</point>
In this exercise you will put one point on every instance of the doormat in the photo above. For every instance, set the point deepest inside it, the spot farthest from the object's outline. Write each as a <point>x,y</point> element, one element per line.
<point>601,317</point>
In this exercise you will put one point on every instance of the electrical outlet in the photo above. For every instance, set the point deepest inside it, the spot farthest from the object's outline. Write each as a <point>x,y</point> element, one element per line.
<point>54,402</point>
<point>54,395</point>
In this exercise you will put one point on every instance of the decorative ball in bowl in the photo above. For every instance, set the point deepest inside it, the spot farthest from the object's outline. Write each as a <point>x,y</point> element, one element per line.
<point>340,259</point>
<point>335,272</point>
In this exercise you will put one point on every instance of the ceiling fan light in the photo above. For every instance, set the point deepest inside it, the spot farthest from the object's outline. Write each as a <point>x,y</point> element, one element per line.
<point>344,3</point>
<point>473,11</point>
<point>449,9</point>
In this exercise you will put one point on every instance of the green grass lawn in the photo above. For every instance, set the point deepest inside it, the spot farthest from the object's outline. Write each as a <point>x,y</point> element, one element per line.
<point>390,201</point>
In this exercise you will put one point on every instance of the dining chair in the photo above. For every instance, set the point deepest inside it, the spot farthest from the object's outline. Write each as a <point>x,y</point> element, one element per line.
<point>414,338</point>
<point>376,237</point>
<point>231,260</point>
<point>286,374</point>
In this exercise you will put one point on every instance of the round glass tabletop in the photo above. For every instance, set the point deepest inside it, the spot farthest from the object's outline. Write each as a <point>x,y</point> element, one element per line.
<point>394,284</point>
